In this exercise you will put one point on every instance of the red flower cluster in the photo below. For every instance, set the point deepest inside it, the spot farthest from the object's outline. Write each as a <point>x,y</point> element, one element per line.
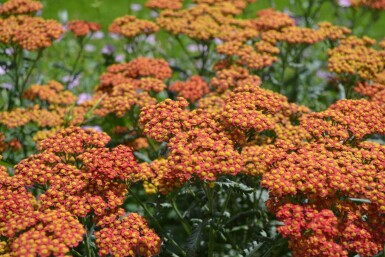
<point>82,28</point>
<point>193,89</point>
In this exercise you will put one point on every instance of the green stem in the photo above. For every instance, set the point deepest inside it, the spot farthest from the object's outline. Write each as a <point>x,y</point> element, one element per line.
<point>185,225</point>
<point>88,246</point>
<point>156,222</point>
<point>187,53</point>
<point>78,57</point>
<point>30,70</point>
<point>211,202</point>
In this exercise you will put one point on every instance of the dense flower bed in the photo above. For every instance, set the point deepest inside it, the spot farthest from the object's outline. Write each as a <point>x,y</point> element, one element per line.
<point>264,137</point>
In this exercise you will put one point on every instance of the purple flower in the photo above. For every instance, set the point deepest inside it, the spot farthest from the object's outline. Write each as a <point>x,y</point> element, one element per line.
<point>120,58</point>
<point>83,97</point>
<point>98,35</point>
<point>323,74</point>
<point>8,86</point>
<point>192,48</point>
<point>108,50</point>
<point>153,14</point>
<point>2,71</point>
<point>136,7</point>
<point>218,41</point>
<point>72,80</point>
<point>151,39</point>
<point>114,36</point>
<point>9,51</point>
<point>344,3</point>
<point>89,48</point>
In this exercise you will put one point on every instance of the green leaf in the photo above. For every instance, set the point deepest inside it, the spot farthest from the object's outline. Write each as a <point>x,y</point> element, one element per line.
<point>236,186</point>
<point>193,240</point>
<point>6,164</point>
<point>142,157</point>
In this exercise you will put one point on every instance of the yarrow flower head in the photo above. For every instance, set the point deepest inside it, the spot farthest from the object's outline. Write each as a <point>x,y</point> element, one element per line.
<point>82,28</point>
<point>31,33</point>
<point>198,153</point>
<point>193,89</point>
<point>130,26</point>
<point>164,4</point>
<point>346,120</point>
<point>17,7</point>
<point>52,93</point>
<point>134,70</point>
<point>128,236</point>
<point>164,120</point>
<point>354,57</point>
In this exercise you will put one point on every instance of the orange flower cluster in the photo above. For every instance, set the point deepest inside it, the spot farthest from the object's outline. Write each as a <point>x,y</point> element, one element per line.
<point>233,77</point>
<point>347,120</point>
<point>193,89</point>
<point>34,232</point>
<point>316,181</point>
<point>122,98</point>
<point>203,154</point>
<point>30,33</point>
<point>374,4</point>
<point>54,233</point>
<point>199,148</point>
<point>164,4</point>
<point>126,85</point>
<point>44,134</point>
<point>52,117</point>
<point>375,92</point>
<point>270,19</point>
<point>152,84</point>
<point>268,30</point>
<point>128,236</point>
<point>162,181</point>
<point>252,107</point>
<point>130,26</point>
<point>322,227</point>
<point>354,57</point>
<point>15,7</point>
<point>164,120</point>
<point>212,102</point>
<point>258,158</point>
<point>82,28</point>
<point>52,93</point>
<point>127,72</point>
<point>238,4</point>
<point>206,22</point>
<point>247,55</point>
<point>97,185</point>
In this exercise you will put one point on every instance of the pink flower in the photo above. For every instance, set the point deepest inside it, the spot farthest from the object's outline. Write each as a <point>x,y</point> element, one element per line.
<point>344,3</point>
